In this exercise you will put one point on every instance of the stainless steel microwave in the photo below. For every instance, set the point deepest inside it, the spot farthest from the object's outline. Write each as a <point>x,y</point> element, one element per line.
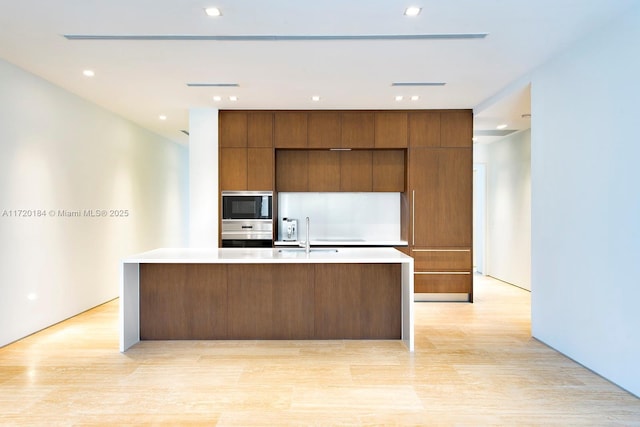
<point>247,205</point>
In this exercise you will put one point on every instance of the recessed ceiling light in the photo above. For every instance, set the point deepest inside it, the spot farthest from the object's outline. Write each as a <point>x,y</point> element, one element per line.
<point>217,98</point>
<point>415,97</point>
<point>399,97</point>
<point>89,73</point>
<point>412,11</point>
<point>213,11</point>
<point>162,117</point>
<point>233,98</point>
<point>315,98</point>
<point>502,126</point>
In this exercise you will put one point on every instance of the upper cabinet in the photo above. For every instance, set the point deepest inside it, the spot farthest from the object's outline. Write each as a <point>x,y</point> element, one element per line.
<point>424,129</point>
<point>357,129</point>
<point>446,129</point>
<point>391,129</point>
<point>324,129</point>
<point>291,128</point>
<point>456,129</point>
<point>260,129</point>
<point>232,128</point>
<point>246,150</point>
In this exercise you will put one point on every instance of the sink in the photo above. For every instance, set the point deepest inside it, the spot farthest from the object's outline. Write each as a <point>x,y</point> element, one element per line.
<point>285,250</point>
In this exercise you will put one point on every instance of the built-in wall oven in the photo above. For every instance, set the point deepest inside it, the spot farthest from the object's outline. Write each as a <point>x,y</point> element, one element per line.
<point>247,219</point>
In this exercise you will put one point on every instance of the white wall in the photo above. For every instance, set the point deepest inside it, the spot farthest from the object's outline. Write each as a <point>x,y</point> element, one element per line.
<point>59,152</point>
<point>203,178</point>
<point>586,202</point>
<point>508,207</point>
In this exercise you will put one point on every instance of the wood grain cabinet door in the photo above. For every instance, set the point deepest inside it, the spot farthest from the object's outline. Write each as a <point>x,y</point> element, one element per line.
<point>456,129</point>
<point>424,129</point>
<point>292,170</point>
<point>233,128</point>
<point>260,166</point>
<point>391,129</point>
<point>260,129</point>
<point>233,169</point>
<point>357,129</point>
<point>389,170</point>
<point>356,170</point>
<point>290,129</point>
<point>324,170</point>
<point>324,129</point>
<point>441,190</point>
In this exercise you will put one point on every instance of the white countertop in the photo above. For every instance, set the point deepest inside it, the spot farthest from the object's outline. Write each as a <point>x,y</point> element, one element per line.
<point>269,255</point>
<point>346,242</point>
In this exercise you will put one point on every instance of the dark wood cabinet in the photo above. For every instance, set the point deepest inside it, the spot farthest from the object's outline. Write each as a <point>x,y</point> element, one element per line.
<point>232,128</point>
<point>356,168</point>
<point>260,129</point>
<point>456,129</point>
<point>388,171</point>
<point>324,129</point>
<point>260,166</point>
<point>358,129</point>
<point>324,170</point>
<point>290,129</point>
<point>233,169</point>
<point>424,129</point>
<point>292,170</point>
<point>270,301</point>
<point>441,184</point>
<point>441,219</point>
<point>391,129</point>
<point>246,150</point>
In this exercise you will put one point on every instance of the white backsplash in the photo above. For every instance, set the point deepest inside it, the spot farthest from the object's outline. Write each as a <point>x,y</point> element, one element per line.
<point>343,216</point>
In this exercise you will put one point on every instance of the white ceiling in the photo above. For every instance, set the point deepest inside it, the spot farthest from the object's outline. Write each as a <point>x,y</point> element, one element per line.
<point>141,79</point>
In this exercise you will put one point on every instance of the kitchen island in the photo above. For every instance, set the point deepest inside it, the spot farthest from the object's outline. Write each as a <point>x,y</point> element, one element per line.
<point>264,293</point>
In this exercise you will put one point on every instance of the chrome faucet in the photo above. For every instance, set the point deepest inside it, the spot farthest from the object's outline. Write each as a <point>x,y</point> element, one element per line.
<point>306,244</point>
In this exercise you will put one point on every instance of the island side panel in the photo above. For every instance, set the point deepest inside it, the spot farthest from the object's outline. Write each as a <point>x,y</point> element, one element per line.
<point>270,301</point>
<point>358,301</point>
<point>408,330</point>
<point>183,301</point>
<point>129,305</point>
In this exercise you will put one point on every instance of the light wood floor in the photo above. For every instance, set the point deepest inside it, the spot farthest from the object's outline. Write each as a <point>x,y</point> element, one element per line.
<point>475,364</point>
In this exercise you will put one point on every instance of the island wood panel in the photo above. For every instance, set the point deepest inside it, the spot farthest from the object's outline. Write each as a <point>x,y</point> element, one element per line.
<point>358,129</point>
<point>290,129</point>
<point>324,129</point>
<point>183,301</point>
<point>260,129</point>
<point>324,170</point>
<point>358,301</point>
<point>270,301</point>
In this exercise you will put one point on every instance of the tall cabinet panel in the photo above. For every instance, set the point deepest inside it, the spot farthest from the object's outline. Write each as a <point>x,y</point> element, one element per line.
<point>440,183</point>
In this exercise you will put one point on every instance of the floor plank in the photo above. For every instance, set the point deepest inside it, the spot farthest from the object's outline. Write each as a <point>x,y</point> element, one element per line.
<point>474,364</point>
